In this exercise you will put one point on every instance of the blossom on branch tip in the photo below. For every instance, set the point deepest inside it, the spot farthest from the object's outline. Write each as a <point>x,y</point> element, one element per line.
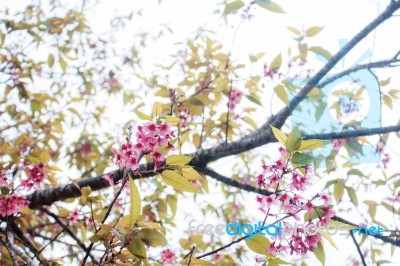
<point>11,204</point>
<point>167,256</point>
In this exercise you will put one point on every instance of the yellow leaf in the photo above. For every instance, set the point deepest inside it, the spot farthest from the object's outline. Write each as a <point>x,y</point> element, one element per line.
<point>311,32</point>
<point>85,191</point>
<point>177,181</point>
<point>258,244</point>
<point>190,173</point>
<point>251,122</point>
<point>136,247</point>
<point>277,62</point>
<point>269,5</point>
<point>311,144</point>
<point>233,7</point>
<point>157,109</point>
<point>143,116</point>
<point>320,253</point>
<point>179,160</point>
<point>294,30</point>
<point>135,208</point>
<point>282,94</point>
<point>330,240</point>
<point>279,135</point>
<point>152,237</point>
<point>173,120</point>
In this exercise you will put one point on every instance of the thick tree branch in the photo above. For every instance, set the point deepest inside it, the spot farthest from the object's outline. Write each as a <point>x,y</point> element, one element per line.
<point>354,133</point>
<point>201,159</point>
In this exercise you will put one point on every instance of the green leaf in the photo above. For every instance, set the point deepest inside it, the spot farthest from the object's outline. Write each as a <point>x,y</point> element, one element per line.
<point>276,63</point>
<point>391,208</point>
<point>255,57</point>
<point>258,244</point>
<point>311,32</point>
<point>330,240</point>
<point>338,189</point>
<point>85,191</point>
<point>50,60</point>
<point>172,201</point>
<point>311,144</point>
<point>177,181</point>
<point>253,99</point>
<point>135,207</point>
<point>251,122</point>
<point>190,173</point>
<point>294,30</point>
<point>352,194</point>
<point>143,116</point>
<point>293,140</point>
<point>371,208</point>
<point>178,160</point>
<point>302,159</point>
<point>270,6</point>
<point>152,237</point>
<point>320,253</point>
<point>321,51</point>
<point>233,7</point>
<point>2,38</point>
<point>63,64</point>
<point>136,247</point>
<point>355,172</point>
<point>282,94</point>
<point>157,109</point>
<point>279,135</point>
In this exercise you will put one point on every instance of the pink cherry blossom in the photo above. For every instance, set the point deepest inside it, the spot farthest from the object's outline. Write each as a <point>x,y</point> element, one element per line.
<point>326,198</point>
<point>36,176</point>
<point>12,204</point>
<point>271,200</point>
<point>309,207</point>
<point>167,256</point>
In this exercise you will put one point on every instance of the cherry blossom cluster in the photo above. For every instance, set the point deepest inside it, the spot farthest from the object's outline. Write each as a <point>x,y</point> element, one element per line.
<point>74,216</point>
<point>386,159</point>
<point>11,204</point>
<point>184,117</point>
<point>149,139</point>
<point>287,182</point>
<point>36,175</point>
<point>234,99</point>
<point>167,256</point>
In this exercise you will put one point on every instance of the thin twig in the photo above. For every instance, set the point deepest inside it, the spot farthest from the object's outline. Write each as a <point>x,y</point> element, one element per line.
<point>106,215</point>
<point>358,248</point>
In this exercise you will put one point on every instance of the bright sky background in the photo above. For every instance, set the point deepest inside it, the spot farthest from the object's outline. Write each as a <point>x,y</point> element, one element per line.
<point>267,33</point>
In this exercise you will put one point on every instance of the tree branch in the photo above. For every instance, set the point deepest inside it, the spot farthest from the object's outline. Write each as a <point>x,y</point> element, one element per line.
<point>353,133</point>
<point>358,248</point>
